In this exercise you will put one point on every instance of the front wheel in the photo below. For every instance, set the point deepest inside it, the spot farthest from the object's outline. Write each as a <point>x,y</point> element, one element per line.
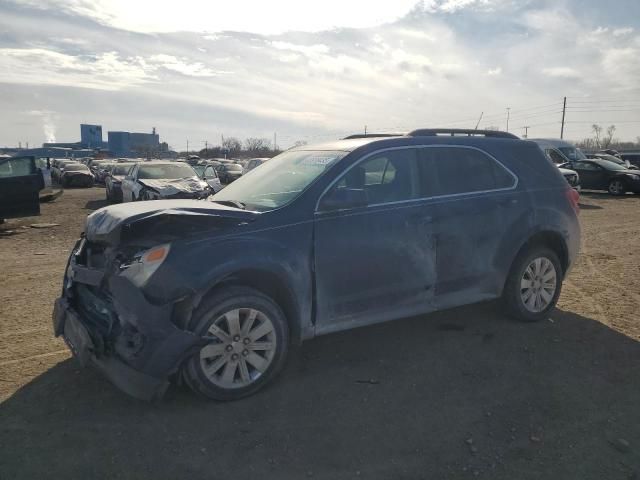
<point>533,286</point>
<point>249,340</point>
<point>616,187</point>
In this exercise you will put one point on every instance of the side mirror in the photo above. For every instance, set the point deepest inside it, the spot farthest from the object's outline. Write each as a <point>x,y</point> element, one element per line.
<point>343,199</point>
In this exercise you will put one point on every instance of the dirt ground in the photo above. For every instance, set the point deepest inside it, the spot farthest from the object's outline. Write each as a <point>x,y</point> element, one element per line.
<point>461,394</point>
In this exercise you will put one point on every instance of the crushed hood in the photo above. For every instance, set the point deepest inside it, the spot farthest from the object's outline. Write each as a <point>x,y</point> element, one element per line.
<point>157,221</point>
<point>171,187</point>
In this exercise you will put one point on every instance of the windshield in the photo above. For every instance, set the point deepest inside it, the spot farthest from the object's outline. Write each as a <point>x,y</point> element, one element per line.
<point>611,165</point>
<point>572,153</point>
<point>121,169</point>
<point>279,180</point>
<point>166,171</point>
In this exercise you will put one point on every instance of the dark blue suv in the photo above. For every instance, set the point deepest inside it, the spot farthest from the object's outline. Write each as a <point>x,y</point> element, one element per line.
<point>316,240</point>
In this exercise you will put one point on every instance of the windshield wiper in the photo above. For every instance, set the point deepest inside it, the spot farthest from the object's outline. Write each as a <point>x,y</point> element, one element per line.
<point>232,203</point>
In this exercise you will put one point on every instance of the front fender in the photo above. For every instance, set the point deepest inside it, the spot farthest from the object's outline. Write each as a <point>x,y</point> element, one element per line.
<point>196,267</point>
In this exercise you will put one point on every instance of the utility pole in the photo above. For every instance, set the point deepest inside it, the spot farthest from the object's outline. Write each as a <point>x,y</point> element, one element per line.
<point>275,141</point>
<point>564,109</point>
<point>187,147</point>
<point>365,130</point>
<point>206,149</point>
<point>526,131</point>
<point>508,114</point>
<point>479,120</point>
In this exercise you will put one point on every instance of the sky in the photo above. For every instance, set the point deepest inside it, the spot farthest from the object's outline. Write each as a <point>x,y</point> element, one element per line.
<point>316,71</point>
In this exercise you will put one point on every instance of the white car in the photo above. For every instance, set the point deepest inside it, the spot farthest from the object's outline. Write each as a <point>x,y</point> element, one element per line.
<point>160,180</point>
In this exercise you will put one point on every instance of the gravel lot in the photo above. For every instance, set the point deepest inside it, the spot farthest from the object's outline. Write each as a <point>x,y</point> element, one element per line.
<point>461,394</point>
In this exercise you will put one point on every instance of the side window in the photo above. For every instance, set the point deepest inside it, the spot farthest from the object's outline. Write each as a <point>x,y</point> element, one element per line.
<point>17,167</point>
<point>391,176</point>
<point>131,172</point>
<point>466,170</point>
<point>555,156</point>
<point>584,166</point>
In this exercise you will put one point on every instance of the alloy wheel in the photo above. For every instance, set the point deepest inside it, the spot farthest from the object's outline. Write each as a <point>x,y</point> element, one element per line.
<point>538,284</point>
<point>242,348</point>
<point>616,187</point>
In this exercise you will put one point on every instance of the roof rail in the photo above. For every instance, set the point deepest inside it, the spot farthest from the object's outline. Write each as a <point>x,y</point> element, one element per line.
<point>432,132</point>
<point>373,135</point>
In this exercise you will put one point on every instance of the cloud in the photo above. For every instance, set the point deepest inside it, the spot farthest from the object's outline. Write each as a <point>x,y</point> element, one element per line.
<point>561,72</point>
<point>104,71</point>
<point>619,32</point>
<point>441,64</point>
<point>194,69</point>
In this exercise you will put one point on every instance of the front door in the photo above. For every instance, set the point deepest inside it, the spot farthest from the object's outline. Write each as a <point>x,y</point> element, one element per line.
<point>375,262</point>
<point>20,182</point>
<point>591,174</point>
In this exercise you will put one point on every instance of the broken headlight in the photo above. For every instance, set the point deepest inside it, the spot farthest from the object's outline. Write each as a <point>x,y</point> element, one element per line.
<point>144,264</point>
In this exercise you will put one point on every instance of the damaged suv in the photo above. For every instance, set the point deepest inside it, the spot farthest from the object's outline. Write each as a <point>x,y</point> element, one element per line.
<point>317,240</point>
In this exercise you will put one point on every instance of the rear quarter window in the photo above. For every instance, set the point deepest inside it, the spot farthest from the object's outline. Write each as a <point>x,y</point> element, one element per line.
<point>463,170</point>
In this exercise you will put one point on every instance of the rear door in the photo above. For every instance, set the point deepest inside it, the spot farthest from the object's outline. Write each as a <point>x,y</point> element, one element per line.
<point>20,182</point>
<point>476,203</point>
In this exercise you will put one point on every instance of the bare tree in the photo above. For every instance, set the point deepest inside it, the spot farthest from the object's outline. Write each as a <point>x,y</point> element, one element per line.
<point>232,144</point>
<point>608,138</point>
<point>299,143</point>
<point>597,131</point>
<point>257,144</point>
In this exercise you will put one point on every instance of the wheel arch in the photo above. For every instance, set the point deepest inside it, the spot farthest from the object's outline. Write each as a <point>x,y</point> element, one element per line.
<point>270,284</point>
<point>550,239</point>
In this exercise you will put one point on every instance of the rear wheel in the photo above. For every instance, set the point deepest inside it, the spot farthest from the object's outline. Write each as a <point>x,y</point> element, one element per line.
<point>617,187</point>
<point>249,340</point>
<point>533,285</point>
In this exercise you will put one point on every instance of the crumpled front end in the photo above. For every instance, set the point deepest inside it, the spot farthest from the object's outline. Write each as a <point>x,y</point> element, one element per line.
<point>106,321</point>
<point>184,188</point>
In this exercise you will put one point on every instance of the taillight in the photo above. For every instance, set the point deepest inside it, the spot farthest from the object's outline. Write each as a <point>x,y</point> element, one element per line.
<point>574,197</point>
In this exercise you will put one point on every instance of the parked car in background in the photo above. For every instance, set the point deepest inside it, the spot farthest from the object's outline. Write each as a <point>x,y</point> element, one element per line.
<point>207,171</point>
<point>598,174</point>
<point>559,151</point>
<point>58,168</point>
<point>102,170</point>
<point>160,180</point>
<point>113,181</point>
<point>610,158</point>
<point>229,172</point>
<point>96,165</point>
<point>572,178</point>
<point>253,163</point>
<point>317,240</point>
<point>76,175</point>
<point>20,183</point>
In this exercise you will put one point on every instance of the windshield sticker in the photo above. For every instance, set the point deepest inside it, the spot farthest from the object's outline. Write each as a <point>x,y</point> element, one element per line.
<point>318,160</point>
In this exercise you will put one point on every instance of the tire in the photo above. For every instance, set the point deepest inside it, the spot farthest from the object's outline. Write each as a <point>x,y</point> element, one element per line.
<point>205,371</point>
<point>514,294</point>
<point>616,187</point>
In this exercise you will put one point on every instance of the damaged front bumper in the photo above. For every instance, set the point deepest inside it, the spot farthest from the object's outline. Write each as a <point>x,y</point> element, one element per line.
<point>107,322</point>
